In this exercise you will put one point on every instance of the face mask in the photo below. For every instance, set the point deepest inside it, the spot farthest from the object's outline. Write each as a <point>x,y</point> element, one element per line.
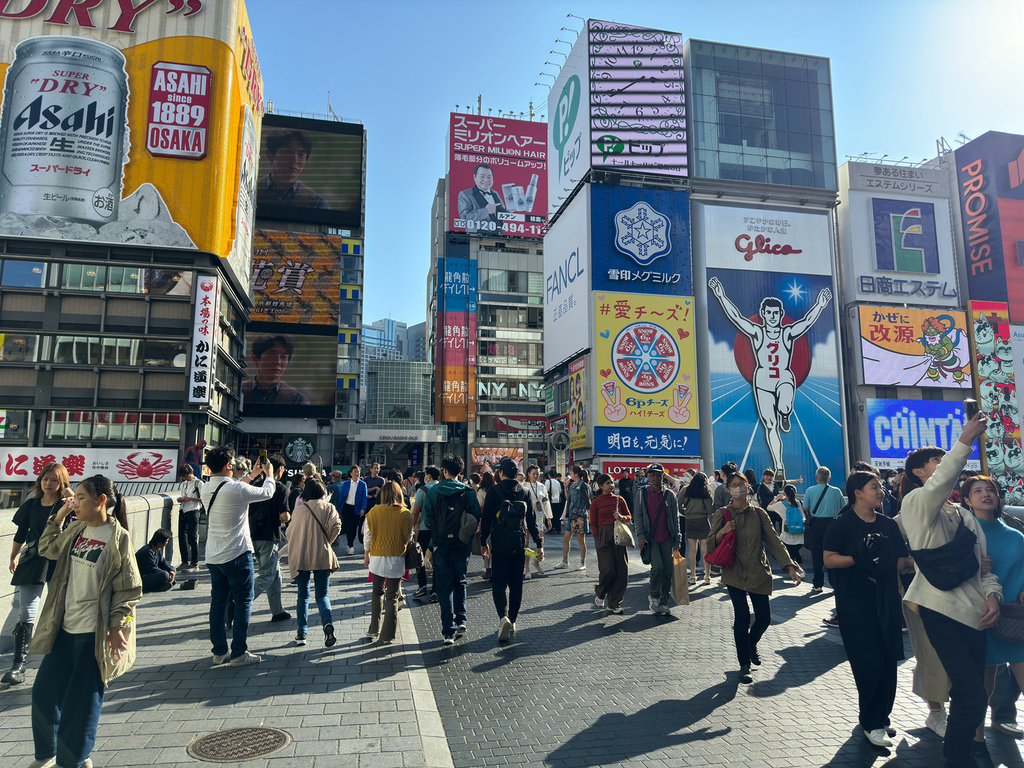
<point>737,492</point>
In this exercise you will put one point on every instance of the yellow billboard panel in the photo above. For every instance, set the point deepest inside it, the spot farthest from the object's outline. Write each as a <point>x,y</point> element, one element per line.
<point>645,361</point>
<point>131,123</point>
<point>914,347</point>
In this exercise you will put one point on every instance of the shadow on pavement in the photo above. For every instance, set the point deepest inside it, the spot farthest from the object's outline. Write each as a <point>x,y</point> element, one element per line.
<point>615,737</point>
<point>797,670</point>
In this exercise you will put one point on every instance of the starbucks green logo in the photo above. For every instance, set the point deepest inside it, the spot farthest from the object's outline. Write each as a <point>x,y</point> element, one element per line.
<point>299,449</point>
<point>565,115</point>
<point>609,145</point>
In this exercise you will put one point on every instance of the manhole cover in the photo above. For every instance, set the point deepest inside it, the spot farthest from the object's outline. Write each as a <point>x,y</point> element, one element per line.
<point>238,744</point>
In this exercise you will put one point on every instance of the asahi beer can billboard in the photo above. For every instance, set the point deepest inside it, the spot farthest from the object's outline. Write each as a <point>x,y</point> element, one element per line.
<point>121,122</point>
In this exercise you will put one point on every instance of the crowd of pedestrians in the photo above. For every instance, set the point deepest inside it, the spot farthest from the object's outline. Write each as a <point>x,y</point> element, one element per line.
<point>893,556</point>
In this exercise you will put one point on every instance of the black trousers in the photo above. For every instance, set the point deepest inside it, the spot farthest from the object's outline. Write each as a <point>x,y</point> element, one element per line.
<point>874,669</point>
<point>156,582</point>
<point>557,508</point>
<point>961,649</point>
<point>423,537</point>
<point>507,573</point>
<point>819,526</point>
<point>350,523</point>
<point>188,537</point>
<point>794,553</point>
<point>745,635</point>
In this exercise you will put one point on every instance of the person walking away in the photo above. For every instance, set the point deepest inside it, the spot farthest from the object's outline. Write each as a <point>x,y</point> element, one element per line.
<point>314,527</point>
<point>506,518</point>
<point>486,482</point>
<point>1005,547</point>
<point>388,533</point>
<point>576,512</point>
<point>1003,700</point>
<point>445,505</point>
<point>821,505</point>
<point>657,523</point>
<point>954,619</point>
<point>353,507</point>
<point>697,507</point>
<point>865,552</point>
<point>188,518</point>
<point>612,562</point>
<point>432,475</point>
<point>87,626</point>
<point>156,573</point>
<point>265,521</point>
<point>30,570</point>
<point>556,495</point>
<point>749,576</point>
<point>540,507</point>
<point>229,553</point>
<point>793,522</point>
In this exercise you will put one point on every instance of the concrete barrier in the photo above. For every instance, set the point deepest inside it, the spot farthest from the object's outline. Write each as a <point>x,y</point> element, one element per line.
<point>145,515</point>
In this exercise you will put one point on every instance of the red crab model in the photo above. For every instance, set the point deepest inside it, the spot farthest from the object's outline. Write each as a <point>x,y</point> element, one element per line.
<point>155,467</point>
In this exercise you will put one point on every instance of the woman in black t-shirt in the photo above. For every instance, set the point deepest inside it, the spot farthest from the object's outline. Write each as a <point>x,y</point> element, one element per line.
<point>865,551</point>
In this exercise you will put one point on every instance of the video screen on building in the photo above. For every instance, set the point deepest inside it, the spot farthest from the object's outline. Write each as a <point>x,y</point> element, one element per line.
<point>311,171</point>
<point>290,373</point>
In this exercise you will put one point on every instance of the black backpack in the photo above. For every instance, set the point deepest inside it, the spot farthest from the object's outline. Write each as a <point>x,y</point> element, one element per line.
<point>448,513</point>
<point>509,532</point>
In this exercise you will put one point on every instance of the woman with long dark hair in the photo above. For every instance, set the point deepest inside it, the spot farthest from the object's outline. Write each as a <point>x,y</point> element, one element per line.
<point>865,552</point>
<point>314,526</point>
<point>697,507</point>
<point>612,567</point>
<point>793,522</point>
<point>87,625</point>
<point>954,619</point>
<point>749,576</point>
<point>31,570</point>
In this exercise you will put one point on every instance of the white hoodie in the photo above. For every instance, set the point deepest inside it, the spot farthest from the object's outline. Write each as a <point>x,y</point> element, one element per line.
<point>930,520</point>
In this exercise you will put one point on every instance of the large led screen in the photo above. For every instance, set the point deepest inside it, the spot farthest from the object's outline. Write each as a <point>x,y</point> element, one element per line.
<point>290,373</point>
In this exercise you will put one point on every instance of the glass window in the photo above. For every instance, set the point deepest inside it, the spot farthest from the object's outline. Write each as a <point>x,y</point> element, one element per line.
<point>24,274</point>
<point>165,354</point>
<point>69,425</point>
<point>536,282</point>
<point>110,425</point>
<point>17,348</point>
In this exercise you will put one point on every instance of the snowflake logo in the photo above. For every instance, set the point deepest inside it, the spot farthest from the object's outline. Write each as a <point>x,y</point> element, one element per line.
<point>643,234</point>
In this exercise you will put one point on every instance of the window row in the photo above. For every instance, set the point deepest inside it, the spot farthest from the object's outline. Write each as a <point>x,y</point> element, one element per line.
<point>511,281</point>
<point>511,317</point>
<point>112,425</point>
<point>509,353</point>
<point>94,350</point>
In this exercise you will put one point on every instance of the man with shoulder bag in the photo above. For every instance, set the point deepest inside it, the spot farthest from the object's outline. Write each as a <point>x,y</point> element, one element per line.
<point>507,518</point>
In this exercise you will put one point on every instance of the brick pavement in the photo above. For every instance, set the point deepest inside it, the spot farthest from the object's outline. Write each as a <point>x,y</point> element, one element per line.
<point>351,706</point>
<point>582,687</point>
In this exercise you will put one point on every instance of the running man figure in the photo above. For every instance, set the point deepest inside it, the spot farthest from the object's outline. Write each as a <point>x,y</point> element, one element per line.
<point>772,344</point>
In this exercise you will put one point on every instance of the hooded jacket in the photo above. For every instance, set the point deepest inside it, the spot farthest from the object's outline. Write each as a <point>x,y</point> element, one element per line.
<point>643,517</point>
<point>448,487</point>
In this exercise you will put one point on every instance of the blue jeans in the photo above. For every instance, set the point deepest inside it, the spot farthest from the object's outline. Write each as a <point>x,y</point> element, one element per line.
<point>268,573</point>
<point>323,602</point>
<point>450,580</point>
<point>1004,697</point>
<point>231,580</point>
<point>28,601</point>
<point>66,700</point>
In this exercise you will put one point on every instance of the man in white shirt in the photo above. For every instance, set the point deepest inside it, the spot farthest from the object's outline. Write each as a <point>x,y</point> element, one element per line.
<point>188,518</point>
<point>229,552</point>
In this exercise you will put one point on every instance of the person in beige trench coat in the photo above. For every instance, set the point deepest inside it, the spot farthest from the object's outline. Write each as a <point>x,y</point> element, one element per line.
<point>315,524</point>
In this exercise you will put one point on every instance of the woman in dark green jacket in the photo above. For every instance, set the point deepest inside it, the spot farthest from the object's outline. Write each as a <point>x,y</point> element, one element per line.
<point>749,575</point>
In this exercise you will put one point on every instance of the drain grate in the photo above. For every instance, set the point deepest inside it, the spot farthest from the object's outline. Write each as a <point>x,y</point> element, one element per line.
<point>238,744</point>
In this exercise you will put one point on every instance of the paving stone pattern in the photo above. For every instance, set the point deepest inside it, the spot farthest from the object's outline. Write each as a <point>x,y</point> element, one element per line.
<point>582,687</point>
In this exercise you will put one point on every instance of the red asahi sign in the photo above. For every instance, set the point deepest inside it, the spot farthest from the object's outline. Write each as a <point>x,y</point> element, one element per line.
<point>179,110</point>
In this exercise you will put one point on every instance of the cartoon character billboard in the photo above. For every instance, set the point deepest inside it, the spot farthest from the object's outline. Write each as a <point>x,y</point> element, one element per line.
<point>578,391</point>
<point>645,369</point>
<point>914,347</point>
<point>774,364</point>
<point>996,386</point>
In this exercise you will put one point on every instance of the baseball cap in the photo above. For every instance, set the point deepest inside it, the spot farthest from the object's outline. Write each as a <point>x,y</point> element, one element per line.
<point>655,468</point>
<point>508,468</point>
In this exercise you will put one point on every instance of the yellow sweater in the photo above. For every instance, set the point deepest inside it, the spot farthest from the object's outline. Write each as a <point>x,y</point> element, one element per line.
<point>390,528</point>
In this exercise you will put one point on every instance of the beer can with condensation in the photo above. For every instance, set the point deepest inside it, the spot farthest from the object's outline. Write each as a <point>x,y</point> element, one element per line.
<point>63,130</point>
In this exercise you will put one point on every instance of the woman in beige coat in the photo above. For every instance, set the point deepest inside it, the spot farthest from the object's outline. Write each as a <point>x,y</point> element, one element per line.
<point>314,526</point>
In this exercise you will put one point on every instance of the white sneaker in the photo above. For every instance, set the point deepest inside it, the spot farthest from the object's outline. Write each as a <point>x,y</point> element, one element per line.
<point>583,566</point>
<point>47,763</point>
<point>936,721</point>
<point>350,550</point>
<point>245,660</point>
<point>504,629</point>
<point>527,576</point>
<point>655,604</point>
<point>665,610</point>
<point>562,565</point>
<point>223,658</point>
<point>599,602</point>
<point>878,737</point>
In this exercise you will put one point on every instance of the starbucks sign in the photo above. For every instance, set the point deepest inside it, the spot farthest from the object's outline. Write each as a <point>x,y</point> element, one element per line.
<point>299,449</point>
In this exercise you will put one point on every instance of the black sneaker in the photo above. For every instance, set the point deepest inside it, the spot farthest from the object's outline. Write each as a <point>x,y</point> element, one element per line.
<point>980,758</point>
<point>433,597</point>
<point>745,675</point>
<point>329,638</point>
<point>282,616</point>
<point>421,592</point>
<point>755,657</point>
<point>832,621</point>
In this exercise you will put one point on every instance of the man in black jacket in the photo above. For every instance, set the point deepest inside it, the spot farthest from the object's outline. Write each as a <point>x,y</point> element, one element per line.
<point>157,575</point>
<point>265,521</point>
<point>508,543</point>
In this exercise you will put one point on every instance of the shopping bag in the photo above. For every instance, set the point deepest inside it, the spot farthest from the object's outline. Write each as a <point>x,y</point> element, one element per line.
<point>680,583</point>
<point>623,536</point>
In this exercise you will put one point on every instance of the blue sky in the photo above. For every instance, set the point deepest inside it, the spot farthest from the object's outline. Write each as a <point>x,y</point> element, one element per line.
<point>904,73</point>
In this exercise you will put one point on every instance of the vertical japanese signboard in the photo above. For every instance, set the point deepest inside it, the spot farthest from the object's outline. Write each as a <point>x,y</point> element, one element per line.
<point>914,347</point>
<point>644,362</point>
<point>773,341</point>
<point>579,395</point>
<point>497,176</point>
<point>996,387</point>
<point>455,380</point>
<point>204,340</point>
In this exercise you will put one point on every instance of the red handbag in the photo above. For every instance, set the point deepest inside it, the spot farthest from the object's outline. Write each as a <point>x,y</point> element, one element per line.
<point>725,550</point>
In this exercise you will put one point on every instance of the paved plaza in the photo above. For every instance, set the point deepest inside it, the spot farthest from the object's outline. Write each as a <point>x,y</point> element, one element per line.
<point>577,687</point>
